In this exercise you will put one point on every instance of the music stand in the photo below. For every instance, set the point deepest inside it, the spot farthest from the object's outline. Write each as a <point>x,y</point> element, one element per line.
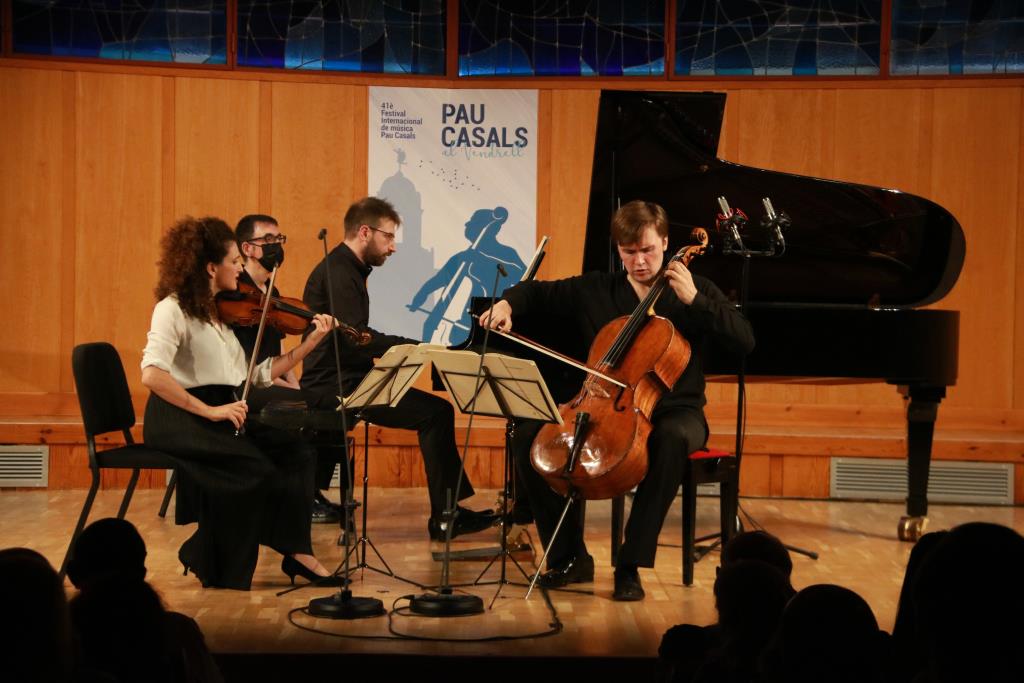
<point>496,386</point>
<point>392,375</point>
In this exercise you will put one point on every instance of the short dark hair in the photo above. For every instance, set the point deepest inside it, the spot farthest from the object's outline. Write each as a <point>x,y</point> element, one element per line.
<point>369,210</point>
<point>630,220</point>
<point>246,227</point>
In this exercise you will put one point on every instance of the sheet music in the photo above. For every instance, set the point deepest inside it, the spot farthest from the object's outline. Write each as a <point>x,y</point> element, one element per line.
<point>391,377</point>
<point>522,388</point>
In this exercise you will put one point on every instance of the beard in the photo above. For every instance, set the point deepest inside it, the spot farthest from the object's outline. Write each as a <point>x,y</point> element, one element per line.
<point>374,257</point>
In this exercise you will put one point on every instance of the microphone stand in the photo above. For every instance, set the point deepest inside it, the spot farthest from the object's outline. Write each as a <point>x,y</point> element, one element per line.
<point>733,219</point>
<point>342,605</point>
<point>444,602</point>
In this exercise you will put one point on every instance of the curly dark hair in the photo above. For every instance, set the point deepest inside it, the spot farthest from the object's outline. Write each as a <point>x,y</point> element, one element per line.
<point>185,249</point>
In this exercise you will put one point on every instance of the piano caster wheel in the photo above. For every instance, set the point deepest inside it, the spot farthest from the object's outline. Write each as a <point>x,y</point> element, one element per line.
<point>912,528</point>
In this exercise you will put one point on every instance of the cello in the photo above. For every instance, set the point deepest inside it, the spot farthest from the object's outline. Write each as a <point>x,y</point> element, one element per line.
<point>600,450</point>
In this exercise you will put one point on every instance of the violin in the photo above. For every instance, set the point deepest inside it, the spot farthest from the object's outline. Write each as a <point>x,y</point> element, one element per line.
<point>600,450</point>
<point>244,306</point>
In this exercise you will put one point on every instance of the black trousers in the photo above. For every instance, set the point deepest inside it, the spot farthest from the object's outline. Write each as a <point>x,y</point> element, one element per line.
<point>431,417</point>
<point>244,491</point>
<point>675,433</point>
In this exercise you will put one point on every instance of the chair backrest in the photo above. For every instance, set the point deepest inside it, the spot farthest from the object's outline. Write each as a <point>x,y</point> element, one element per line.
<point>102,388</point>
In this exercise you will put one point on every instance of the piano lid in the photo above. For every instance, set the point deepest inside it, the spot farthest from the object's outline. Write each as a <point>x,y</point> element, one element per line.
<point>849,244</point>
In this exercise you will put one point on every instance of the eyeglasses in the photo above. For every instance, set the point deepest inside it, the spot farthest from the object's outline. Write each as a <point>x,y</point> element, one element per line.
<point>268,239</point>
<point>389,236</point>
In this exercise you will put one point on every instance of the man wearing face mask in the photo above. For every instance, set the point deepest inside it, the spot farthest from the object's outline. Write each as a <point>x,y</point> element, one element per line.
<point>262,245</point>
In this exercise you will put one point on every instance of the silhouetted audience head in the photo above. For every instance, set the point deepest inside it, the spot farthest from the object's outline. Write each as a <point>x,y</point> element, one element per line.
<point>107,548</point>
<point>828,633</point>
<point>35,640</point>
<point>758,545</point>
<point>969,598</point>
<point>750,596</point>
<point>908,658</point>
<point>120,625</point>
<point>125,632</point>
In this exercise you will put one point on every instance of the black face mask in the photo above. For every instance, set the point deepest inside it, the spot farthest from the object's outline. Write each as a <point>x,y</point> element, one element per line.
<point>273,255</point>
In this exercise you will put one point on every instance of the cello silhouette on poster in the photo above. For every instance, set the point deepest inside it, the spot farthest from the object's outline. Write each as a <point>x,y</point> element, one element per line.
<point>466,274</point>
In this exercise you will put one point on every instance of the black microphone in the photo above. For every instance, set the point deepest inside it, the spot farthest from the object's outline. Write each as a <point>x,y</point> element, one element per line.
<point>501,269</point>
<point>775,222</point>
<point>322,234</point>
<point>731,220</point>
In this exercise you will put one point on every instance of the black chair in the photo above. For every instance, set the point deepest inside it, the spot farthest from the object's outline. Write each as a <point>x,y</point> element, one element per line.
<point>702,467</point>
<point>106,406</point>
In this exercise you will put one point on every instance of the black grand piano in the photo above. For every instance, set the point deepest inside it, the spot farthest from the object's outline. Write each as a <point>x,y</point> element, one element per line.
<point>843,301</point>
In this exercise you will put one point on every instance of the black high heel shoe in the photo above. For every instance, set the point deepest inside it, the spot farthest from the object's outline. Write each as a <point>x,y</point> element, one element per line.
<point>292,568</point>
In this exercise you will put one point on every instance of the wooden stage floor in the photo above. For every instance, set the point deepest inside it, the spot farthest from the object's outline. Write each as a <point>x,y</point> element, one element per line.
<point>856,542</point>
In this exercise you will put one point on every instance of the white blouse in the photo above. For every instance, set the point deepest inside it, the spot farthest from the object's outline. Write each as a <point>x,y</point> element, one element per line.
<point>197,353</point>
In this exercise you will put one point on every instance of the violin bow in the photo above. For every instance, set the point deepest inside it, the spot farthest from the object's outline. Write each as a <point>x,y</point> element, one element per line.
<point>530,344</point>
<point>259,338</point>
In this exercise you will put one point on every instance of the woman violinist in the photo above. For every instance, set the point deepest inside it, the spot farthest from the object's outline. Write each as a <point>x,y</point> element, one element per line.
<point>700,312</point>
<point>245,490</point>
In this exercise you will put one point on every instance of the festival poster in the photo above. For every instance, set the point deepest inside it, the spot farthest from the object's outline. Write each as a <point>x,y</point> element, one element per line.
<point>460,166</point>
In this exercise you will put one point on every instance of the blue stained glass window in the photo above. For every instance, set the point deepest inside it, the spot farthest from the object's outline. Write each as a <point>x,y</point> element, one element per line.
<point>967,37</point>
<point>393,36</point>
<point>183,31</point>
<point>787,38</point>
<point>564,38</point>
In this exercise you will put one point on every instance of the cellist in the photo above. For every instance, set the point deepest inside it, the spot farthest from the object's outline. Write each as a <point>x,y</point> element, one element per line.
<point>700,312</point>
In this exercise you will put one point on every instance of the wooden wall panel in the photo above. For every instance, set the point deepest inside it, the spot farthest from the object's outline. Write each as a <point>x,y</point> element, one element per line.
<point>1018,299</point>
<point>216,152</point>
<point>882,137</point>
<point>87,184</point>
<point>573,126</point>
<point>755,475</point>
<point>119,210</point>
<point>805,477</point>
<point>315,169</point>
<point>33,277</point>
<point>972,178</point>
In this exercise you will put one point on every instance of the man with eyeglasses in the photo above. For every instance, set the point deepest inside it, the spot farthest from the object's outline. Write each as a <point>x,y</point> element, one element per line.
<point>370,226</point>
<point>262,246</point>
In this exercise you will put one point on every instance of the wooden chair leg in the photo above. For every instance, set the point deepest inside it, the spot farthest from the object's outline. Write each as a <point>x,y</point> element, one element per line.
<point>82,517</point>
<point>618,513</point>
<point>689,522</point>
<point>126,501</point>
<point>168,493</point>
<point>729,504</point>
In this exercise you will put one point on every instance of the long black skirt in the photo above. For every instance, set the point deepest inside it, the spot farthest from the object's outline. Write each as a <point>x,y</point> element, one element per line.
<point>244,491</point>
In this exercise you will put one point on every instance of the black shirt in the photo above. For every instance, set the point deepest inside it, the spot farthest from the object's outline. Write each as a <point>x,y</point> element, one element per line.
<point>588,302</point>
<point>270,345</point>
<point>352,306</point>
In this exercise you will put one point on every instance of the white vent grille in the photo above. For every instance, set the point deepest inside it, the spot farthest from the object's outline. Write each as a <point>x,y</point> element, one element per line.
<point>24,466</point>
<point>948,482</point>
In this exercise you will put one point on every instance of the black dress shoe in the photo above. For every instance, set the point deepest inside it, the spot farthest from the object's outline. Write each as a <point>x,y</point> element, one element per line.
<point>319,497</point>
<point>627,585</point>
<point>466,522</point>
<point>576,570</point>
<point>292,568</point>
<point>324,514</point>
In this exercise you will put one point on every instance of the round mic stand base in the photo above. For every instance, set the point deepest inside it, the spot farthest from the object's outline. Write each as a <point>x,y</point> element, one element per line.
<point>343,605</point>
<point>446,605</point>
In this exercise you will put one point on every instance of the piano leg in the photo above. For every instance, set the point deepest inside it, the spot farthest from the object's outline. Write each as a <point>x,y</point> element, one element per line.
<point>922,407</point>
